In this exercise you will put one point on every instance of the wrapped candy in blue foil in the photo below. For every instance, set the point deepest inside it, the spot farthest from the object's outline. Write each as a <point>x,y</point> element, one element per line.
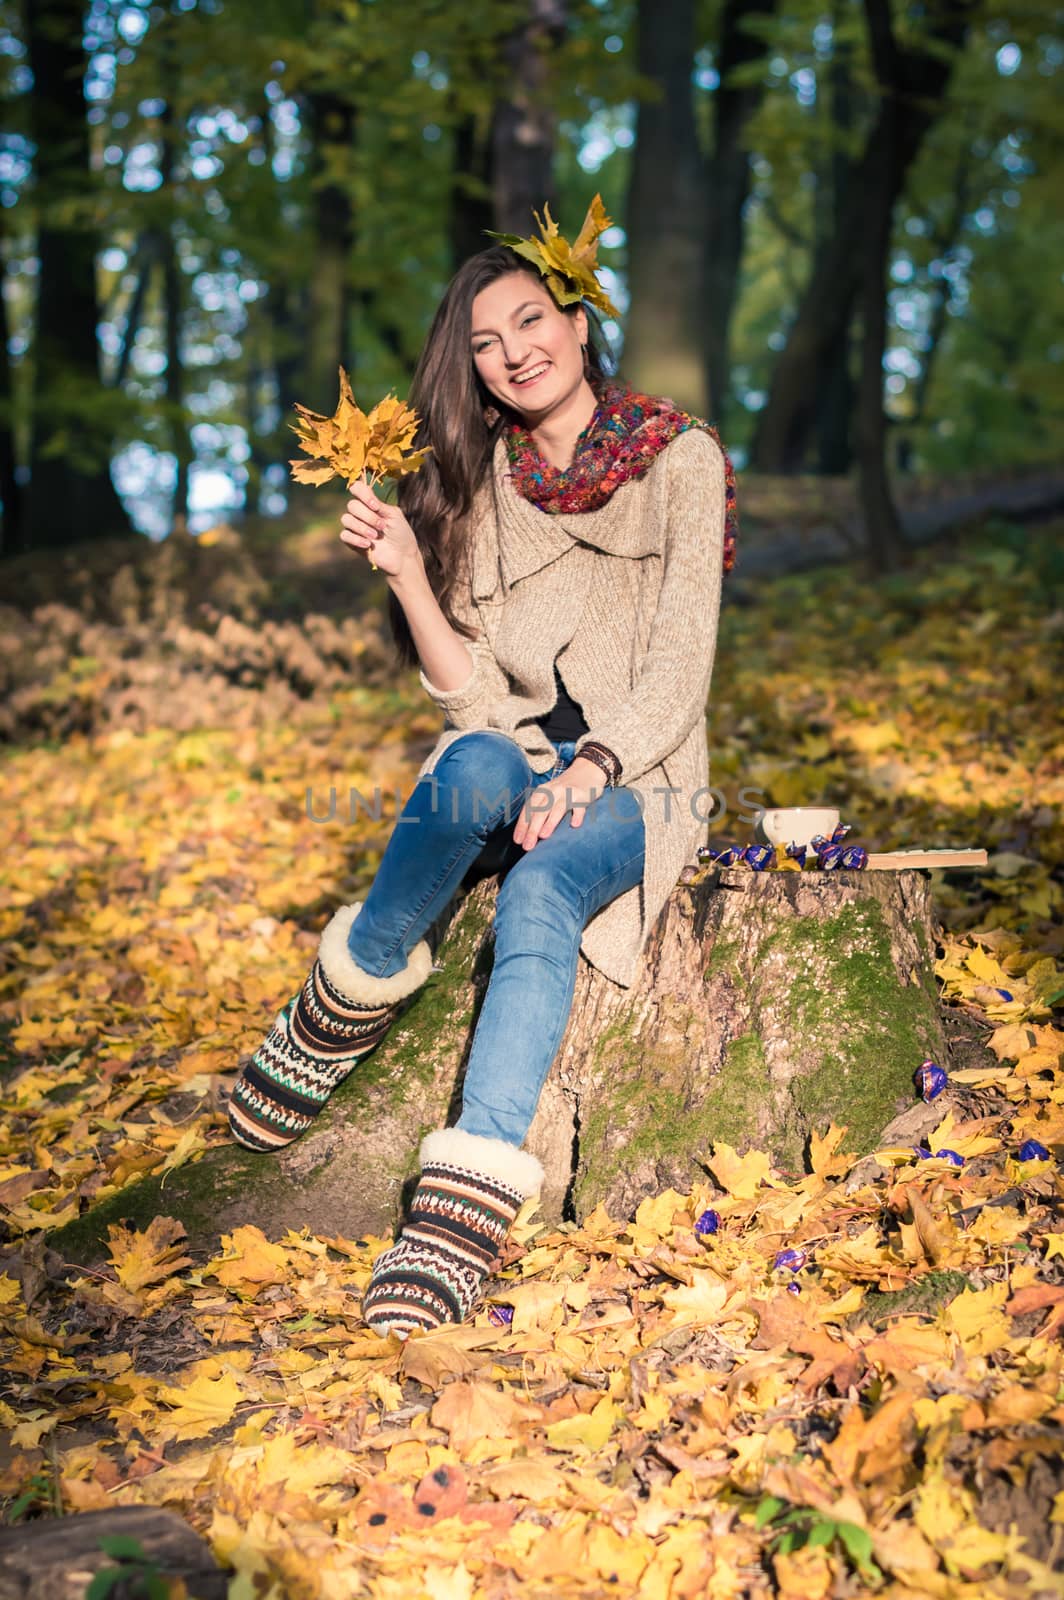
<point>726,857</point>
<point>853,858</point>
<point>820,840</point>
<point>501,1316</point>
<point>758,856</point>
<point>797,853</point>
<point>1031,1150</point>
<point>930,1079</point>
<point>829,857</point>
<point>952,1156</point>
<point>708,1222</point>
<point>791,1260</point>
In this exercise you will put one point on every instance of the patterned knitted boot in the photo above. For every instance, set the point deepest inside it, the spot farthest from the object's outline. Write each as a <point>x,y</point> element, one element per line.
<point>471,1190</point>
<point>340,1015</point>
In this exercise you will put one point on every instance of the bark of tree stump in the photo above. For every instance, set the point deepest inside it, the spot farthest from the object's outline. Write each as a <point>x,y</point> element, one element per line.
<point>769,1005</point>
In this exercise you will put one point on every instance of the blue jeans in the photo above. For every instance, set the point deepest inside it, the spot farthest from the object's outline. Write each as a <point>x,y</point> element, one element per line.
<point>463,816</point>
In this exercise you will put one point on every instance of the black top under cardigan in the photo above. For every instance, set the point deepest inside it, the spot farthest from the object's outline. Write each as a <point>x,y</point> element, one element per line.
<point>565,719</point>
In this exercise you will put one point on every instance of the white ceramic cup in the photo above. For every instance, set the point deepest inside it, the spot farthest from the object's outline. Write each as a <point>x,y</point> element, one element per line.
<point>798,824</point>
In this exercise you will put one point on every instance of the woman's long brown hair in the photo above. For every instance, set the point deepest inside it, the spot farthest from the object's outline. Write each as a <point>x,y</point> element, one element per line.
<point>461,421</point>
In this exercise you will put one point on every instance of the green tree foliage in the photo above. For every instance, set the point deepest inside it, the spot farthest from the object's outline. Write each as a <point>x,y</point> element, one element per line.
<point>274,187</point>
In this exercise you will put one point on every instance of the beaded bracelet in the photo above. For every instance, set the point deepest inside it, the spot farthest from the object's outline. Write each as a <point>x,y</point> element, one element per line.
<point>604,758</point>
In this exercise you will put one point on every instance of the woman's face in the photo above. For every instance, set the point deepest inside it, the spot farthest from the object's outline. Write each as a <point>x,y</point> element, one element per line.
<point>527,352</point>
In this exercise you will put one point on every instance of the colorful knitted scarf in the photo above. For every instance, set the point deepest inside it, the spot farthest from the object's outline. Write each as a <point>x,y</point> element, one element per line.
<point>625,434</point>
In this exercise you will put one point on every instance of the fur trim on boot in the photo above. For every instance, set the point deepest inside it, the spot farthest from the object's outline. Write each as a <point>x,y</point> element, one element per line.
<point>493,1157</point>
<point>340,1015</point>
<point>345,974</point>
<point>470,1191</point>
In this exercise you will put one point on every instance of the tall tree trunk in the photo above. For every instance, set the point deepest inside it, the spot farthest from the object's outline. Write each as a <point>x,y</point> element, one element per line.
<point>10,488</point>
<point>471,191</point>
<point>522,132</point>
<point>826,308</point>
<point>835,405</point>
<point>144,260</point>
<point>172,286</point>
<point>835,409</point>
<point>939,294</point>
<point>181,442</point>
<point>332,122</point>
<point>728,186</point>
<point>70,495</point>
<point>257,349</point>
<point>665,335</point>
<point>287,307</point>
<point>282,319</point>
<point>882,528</point>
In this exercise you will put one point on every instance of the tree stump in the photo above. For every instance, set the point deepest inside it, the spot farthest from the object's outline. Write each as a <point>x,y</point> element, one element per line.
<point>768,1006</point>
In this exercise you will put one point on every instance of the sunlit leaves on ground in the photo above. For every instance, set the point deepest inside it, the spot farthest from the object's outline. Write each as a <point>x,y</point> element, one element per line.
<point>642,1409</point>
<point>655,1408</point>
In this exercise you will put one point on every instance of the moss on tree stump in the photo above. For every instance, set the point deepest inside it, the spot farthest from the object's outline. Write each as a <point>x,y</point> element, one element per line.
<point>768,1005</point>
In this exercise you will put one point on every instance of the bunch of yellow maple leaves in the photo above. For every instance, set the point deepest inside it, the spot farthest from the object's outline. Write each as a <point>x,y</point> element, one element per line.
<point>353,442</point>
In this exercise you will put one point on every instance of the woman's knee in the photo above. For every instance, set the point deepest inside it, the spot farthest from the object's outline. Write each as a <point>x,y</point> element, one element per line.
<point>490,764</point>
<point>534,885</point>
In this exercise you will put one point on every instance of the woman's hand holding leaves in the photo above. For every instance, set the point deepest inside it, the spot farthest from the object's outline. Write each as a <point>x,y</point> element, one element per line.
<point>370,523</point>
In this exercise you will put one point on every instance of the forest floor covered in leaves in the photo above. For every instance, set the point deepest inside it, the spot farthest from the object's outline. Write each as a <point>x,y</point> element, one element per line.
<point>643,1407</point>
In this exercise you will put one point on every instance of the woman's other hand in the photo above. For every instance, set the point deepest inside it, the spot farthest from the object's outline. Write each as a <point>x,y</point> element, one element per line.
<point>371,524</point>
<point>544,807</point>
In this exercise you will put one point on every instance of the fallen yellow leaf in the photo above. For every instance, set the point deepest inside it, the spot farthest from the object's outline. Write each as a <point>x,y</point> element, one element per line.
<point>742,1176</point>
<point>589,1431</point>
<point>144,1258</point>
<point>698,1304</point>
<point>249,1261</point>
<point>199,1407</point>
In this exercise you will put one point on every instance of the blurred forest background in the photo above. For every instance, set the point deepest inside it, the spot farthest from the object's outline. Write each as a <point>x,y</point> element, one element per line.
<point>835,230</point>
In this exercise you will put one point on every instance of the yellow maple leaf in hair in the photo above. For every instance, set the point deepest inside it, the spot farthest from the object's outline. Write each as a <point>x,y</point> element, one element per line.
<point>569,269</point>
<point>585,251</point>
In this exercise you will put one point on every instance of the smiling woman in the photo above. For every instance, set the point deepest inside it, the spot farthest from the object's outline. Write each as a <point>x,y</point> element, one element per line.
<point>561,522</point>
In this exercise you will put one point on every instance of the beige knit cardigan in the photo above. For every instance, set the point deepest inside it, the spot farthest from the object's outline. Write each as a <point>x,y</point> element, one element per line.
<point>627,598</point>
